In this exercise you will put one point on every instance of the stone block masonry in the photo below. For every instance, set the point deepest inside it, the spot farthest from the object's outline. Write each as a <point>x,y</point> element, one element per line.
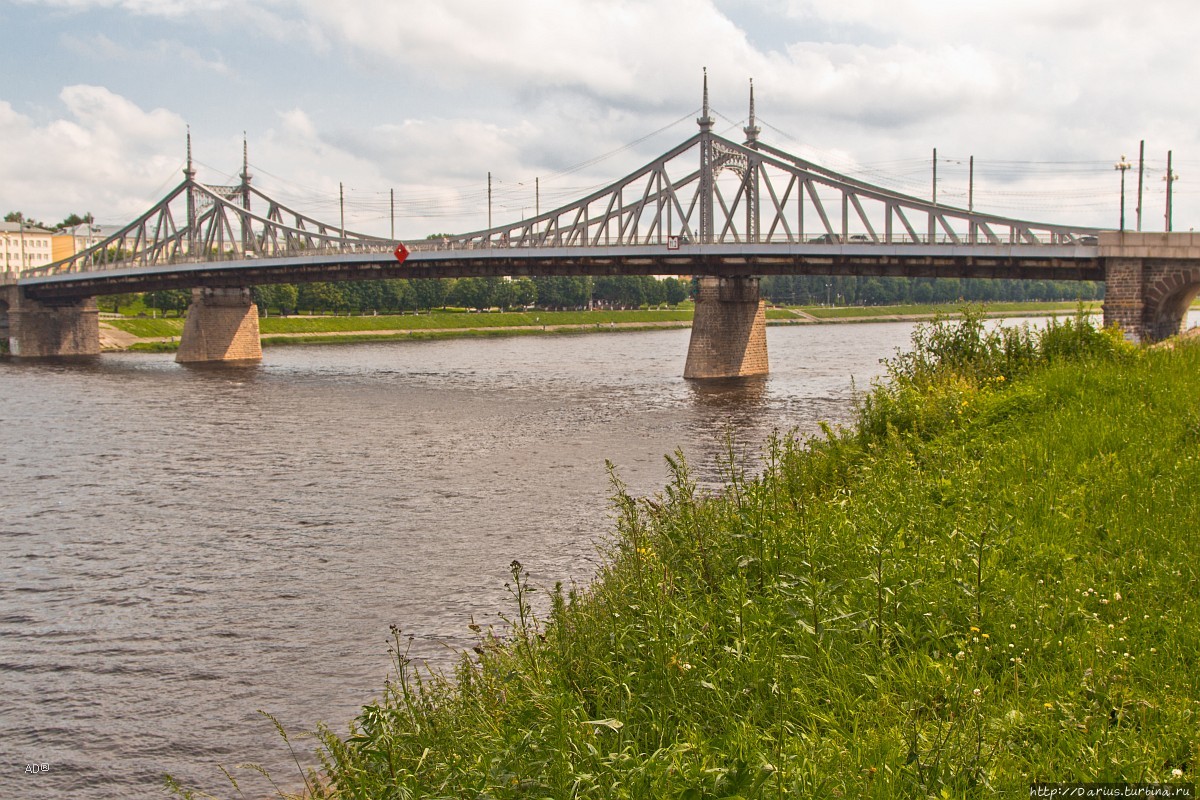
<point>1150,281</point>
<point>222,325</point>
<point>729,330</point>
<point>47,330</point>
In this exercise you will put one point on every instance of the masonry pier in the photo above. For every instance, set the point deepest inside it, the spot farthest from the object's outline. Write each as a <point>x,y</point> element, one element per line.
<point>46,329</point>
<point>1150,280</point>
<point>729,330</point>
<point>222,325</point>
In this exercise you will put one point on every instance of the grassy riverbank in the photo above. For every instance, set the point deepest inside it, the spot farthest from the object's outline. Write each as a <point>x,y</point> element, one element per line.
<point>162,334</point>
<point>990,580</point>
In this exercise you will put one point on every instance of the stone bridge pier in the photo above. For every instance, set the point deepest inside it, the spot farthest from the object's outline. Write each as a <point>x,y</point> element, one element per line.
<point>1150,281</point>
<point>222,325</point>
<point>44,329</point>
<point>729,330</point>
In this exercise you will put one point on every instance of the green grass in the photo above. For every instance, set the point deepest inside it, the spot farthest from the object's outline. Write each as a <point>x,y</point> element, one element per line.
<point>148,327</point>
<point>841,312</point>
<point>450,320</point>
<point>990,580</point>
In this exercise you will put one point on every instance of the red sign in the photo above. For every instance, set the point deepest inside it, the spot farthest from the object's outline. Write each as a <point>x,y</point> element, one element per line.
<point>401,252</point>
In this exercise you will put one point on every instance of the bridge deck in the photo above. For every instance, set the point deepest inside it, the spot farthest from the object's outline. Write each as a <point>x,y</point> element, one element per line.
<point>1058,262</point>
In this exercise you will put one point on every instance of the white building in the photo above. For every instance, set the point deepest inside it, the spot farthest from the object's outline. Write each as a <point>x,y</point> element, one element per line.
<point>23,245</point>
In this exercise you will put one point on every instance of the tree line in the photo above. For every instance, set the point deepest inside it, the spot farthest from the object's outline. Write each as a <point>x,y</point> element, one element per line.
<point>617,292</point>
<point>426,294</point>
<point>866,291</point>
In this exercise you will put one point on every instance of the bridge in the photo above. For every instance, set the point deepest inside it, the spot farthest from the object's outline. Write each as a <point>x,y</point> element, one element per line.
<point>724,210</point>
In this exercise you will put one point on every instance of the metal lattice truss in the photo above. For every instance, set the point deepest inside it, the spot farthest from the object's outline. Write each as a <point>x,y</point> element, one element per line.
<point>707,190</point>
<point>710,190</point>
<point>199,223</point>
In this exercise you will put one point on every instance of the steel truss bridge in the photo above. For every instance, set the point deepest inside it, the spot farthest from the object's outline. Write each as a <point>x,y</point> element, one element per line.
<point>709,206</point>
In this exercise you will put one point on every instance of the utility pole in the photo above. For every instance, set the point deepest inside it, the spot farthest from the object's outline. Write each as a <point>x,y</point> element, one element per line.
<point>971,184</point>
<point>935,176</point>
<point>1141,170</point>
<point>489,201</point>
<point>342,207</point>
<point>1122,166</point>
<point>1170,178</point>
<point>971,195</point>
<point>392,195</point>
<point>537,197</point>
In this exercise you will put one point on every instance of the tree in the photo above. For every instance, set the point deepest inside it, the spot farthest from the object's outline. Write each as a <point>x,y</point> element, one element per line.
<point>676,291</point>
<point>430,293</point>
<point>524,292</point>
<point>118,300</point>
<point>280,296</point>
<point>74,220</point>
<point>321,296</point>
<point>168,300</point>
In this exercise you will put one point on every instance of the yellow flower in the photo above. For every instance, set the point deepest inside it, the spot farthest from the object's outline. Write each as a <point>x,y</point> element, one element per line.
<point>974,629</point>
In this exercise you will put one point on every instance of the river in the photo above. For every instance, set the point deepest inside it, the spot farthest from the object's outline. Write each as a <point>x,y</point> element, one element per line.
<point>184,546</point>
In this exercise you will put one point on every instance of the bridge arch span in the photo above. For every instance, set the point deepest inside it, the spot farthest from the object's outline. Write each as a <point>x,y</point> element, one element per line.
<point>1167,301</point>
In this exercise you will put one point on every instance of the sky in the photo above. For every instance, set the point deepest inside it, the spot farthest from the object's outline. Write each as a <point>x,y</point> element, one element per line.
<point>424,99</point>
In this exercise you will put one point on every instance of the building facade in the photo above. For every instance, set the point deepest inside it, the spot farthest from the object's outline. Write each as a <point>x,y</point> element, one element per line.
<point>23,246</point>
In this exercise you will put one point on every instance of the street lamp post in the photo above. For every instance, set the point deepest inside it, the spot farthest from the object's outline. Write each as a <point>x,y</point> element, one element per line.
<point>1122,166</point>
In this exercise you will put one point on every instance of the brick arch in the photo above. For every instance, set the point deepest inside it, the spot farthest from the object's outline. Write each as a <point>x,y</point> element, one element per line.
<point>1167,298</point>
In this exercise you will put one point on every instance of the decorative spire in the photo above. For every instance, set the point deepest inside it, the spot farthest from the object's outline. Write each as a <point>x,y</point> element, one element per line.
<point>751,129</point>
<point>705,121</point>
<point>189,172</point>
<point>245,160</point>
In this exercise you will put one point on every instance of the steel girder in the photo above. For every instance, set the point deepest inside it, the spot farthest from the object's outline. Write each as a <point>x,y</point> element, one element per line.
<point>223,227</point>
<point>710,190</point>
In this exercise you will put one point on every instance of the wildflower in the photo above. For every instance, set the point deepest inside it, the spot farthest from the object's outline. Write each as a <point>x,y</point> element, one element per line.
<point>985,636</point>
<point>1012,627</point>
<point>1117,596</point>
<point>977,692</point>
<point>960,655</point>
<point>974,629</point>
<point>1048,705</point>
<point>1177,773</point>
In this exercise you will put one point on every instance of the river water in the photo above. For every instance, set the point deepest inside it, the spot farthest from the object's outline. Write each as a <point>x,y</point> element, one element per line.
<point>181,546</point>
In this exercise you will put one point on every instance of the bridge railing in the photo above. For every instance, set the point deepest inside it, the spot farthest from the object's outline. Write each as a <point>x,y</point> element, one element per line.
<point>822,240</point>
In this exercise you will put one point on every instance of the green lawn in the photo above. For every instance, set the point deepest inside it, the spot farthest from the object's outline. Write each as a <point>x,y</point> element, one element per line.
<point>840,312</point>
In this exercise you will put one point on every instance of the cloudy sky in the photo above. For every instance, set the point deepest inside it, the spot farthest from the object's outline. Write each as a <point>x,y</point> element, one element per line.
<point>425,98</point>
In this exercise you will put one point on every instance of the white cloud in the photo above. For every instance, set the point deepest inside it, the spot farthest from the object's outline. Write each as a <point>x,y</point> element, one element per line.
<point>531,87</point>
<point>104,155</point>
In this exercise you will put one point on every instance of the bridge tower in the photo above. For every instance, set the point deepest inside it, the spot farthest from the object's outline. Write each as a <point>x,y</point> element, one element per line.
<point>729,326</point>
